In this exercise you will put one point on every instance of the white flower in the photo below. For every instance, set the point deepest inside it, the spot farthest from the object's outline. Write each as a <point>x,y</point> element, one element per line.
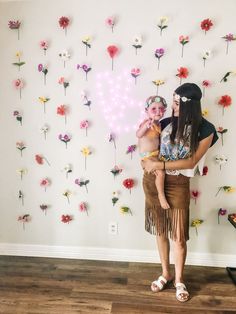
<point>206,55</point>
<point>44,128</point>
<point>221,159</point>
<point>64,55</point>
<point>68,168</point>
<point>115,194</point>
<point>163,20</point>
<point>83,94</point>
<point>137,41</point>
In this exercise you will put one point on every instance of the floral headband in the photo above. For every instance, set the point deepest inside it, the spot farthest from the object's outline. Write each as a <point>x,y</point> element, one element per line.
<point>157,99</point>
<point>183,98</point>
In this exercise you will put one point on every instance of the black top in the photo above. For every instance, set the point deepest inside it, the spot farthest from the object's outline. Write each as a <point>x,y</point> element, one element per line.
<point>206,128</point>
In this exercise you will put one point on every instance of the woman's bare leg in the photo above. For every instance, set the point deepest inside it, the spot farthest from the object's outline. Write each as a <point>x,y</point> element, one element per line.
<point>163,244</point>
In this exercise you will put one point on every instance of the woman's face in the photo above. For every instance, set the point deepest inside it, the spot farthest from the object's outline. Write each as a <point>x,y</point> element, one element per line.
<point>175,106</point>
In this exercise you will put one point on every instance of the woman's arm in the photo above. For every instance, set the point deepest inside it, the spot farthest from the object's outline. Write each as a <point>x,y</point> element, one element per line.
<point>190,163</point>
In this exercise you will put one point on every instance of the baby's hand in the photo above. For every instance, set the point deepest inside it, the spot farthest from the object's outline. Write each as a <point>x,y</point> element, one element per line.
<point>149,123</point>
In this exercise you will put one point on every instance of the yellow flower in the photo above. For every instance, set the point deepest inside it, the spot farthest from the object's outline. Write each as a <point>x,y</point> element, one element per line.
<point>85,151</point>
<point>158,82</point>
<point>43,99</point>
<point>164,20</point>
<point>205,112</point>
<point>67,193</point>
<point>86,39</point>
<point>125,210</point>
<point>21,171</point>
<point>18,54</point>
<point>229,189</point>
<point>196,222</point>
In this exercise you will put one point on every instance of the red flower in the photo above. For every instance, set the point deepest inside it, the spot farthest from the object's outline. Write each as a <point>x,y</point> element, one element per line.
<point>195,194</point>
<point>128,183</point>
<point>64,21</point>
<point>206,83</point>
<point>182,73</point>
<point>66,218</point>
<point>205,171</point>
<point>225,101</point>
<point>61,110</point>
<point>112,50</point>
<point>39,159</point>
<point>206,25</point>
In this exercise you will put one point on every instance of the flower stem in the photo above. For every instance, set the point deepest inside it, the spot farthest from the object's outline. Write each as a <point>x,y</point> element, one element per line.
<point>112,64</point>
<point>227,47</point>
<point>86,188</point>
<point>218,191</point>
<point>196,231</point>
<point>182,52</point>
<point>158,64</point>
<point>47,161</point>
<point>86,50</point>
<point>18,33</point>
<point>44,79</point>
<point>218,219</point>
<point>157,90</point>
<point>44,107</point>
<point>20,93</point>
<point>85,165</point>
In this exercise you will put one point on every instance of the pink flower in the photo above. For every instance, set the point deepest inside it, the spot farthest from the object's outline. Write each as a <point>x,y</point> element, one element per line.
<point>135,72</point>
<point>44,45</point>
<point>83,207</point>
<point>205,85</point>
<point>110,21</point>
<point>61,80</point>
<point>18,83</point>
<point>84,125</point>
<point>45,183</point>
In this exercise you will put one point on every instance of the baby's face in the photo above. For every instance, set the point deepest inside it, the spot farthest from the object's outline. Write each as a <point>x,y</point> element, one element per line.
<point>156,111</point>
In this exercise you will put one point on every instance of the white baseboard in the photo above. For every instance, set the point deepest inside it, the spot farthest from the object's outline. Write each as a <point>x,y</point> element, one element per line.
<point>107,254</point>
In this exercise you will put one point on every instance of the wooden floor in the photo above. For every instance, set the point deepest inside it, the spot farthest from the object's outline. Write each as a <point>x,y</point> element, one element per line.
<point>49,286</point>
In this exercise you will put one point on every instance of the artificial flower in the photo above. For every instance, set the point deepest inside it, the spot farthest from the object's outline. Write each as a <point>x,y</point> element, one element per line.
<point>21,146</point>
<point>162,24</point>
<point>15,25</point>
<point>21,197</point>
<point>40,159</point>
<point>183,40</point>
<point>44,70</point>
<point>195,195</point>
<point>116,170</point>
<point>67,194</point>
<point>128,184</point>
<point>159,53</point>
<point>83,207</point>
<point>43,100</point>
<point>113,51</point>
<point>125,210</point>
<point>131,149</point>
<point>67,169</point>
<point>205,56</point>
<point>221,212</point>
<point>45,183</point>
<point>86,68</point>
<point>135,72</point>
<point>21,172</point>
<point>24,218</point>
<point>137,43</point>
<point>19,63</point>
<point>18,116</point>
<point>63,82</point>
<point>228,38</point>
<point>86,152</point>
<point>206,25</point>
<point>110,21</point>
<point>196,223</point>
<point>65,56</point>
<point>221,131</point>
<point>44,129</point>
<point>65,138</point>
<point>44,208</point>
<point>226,189</point>
<point>112,138</point>
<point>86,41</point>
<point>226,76</point>
<point>64,23</point>
<point>18,84</point>
<point>205,112</point>
<point>158,83</point>
<point>63,110</point>
<point>221,160</point>
<point>225,101</point>
<point>115,197</point>
<point>86,101</point>
<point>204,170</point>
<point>44,45</point>
<point>84,125</point>
<point>81,183</point>
<point>182,73</point>
<point>205,84</point>
<point>66,218</point>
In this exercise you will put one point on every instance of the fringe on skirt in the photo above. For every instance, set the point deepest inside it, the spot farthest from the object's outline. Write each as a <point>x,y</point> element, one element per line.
<point>173,222</point>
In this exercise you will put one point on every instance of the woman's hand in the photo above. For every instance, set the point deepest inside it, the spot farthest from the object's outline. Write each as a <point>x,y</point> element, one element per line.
<point>150,165</point>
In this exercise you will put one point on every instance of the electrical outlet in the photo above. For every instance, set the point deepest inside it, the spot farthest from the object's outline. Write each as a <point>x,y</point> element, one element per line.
<point>113,228</point>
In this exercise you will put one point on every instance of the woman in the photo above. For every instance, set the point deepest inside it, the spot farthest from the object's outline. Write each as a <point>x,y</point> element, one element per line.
<point>185,139</point>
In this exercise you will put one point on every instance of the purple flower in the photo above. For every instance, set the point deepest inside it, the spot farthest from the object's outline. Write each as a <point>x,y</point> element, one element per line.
<point>131,149</point>
<point>15,113</point>
<point>229,37</point>
<point>77,181</point>
<point>159,52</point>
<point>85,67</point>
<point>78,66</point>
<point>14,24</point>
<point>222,212</point>
<point>40,67</point>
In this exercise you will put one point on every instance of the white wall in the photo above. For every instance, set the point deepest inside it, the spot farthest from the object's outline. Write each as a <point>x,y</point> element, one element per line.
<point>40,21</point>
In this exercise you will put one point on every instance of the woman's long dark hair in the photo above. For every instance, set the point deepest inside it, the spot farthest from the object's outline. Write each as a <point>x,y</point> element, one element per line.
<point>190,114</point>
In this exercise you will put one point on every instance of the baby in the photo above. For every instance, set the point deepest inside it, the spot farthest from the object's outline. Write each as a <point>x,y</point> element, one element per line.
<point>149,140</point>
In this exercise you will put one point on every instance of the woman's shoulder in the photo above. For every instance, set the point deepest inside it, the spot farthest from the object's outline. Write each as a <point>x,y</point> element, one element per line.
<point>165,122</point>
<point>207,128</point>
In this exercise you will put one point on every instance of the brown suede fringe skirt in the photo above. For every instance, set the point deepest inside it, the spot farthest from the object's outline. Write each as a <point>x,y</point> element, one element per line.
<point>172,222</point>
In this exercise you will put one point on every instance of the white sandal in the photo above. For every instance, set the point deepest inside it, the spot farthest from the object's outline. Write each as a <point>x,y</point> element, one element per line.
<point>182,294</point>
<point>159,284</point>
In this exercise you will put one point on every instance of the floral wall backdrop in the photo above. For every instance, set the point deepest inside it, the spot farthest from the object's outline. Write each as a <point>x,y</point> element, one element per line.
<point>74,79</point>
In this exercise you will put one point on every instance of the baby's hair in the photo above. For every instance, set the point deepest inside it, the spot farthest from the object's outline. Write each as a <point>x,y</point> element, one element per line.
<point>157,99</point>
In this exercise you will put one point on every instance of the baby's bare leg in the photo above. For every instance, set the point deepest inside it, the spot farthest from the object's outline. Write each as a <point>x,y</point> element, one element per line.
<point>159,181</point>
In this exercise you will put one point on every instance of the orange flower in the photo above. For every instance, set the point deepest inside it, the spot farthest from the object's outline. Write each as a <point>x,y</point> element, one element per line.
<point>61,110</point>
